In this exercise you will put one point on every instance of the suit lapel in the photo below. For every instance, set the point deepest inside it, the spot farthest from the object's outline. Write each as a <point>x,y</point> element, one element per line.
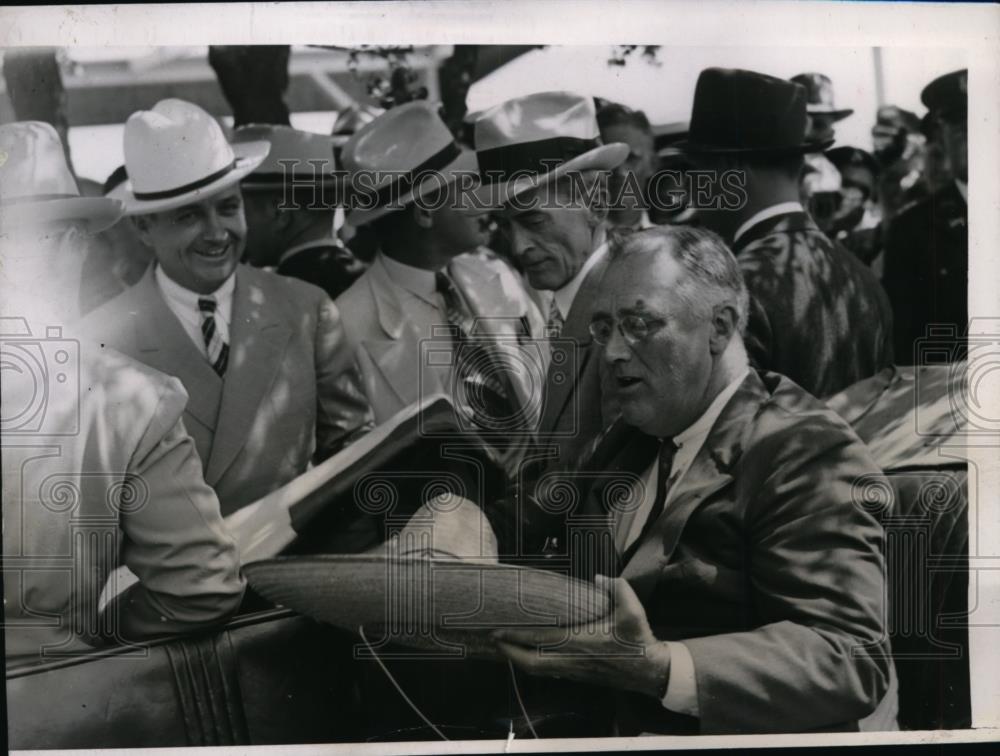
<point>560,380</point>
<point>258,338</point>
<point>162,343</point>
<point>397,357</point>
<point>709,473</point>
<point>503,315</point>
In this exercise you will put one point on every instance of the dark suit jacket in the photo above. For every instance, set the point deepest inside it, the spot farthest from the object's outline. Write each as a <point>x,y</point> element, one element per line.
<point>291,392</point>
<point>817,314</point>
<point>927,270</point>
<point>762,562</point>
<point>574,408</point>
<point>324,264</point>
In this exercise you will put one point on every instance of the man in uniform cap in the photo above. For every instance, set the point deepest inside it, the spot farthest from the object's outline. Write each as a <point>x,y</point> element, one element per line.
<point>291,202</point>
<point>856,223</point>
<point>927,254</point>
<point>818,314</point>
<point>98,469</point>
<point>272,383</point>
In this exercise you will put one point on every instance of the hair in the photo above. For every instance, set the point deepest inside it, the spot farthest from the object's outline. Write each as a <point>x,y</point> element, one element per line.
<point>713,275</point>
<point>615,114</point>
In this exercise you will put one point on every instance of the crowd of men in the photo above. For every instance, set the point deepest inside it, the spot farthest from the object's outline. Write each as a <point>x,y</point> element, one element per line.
<point>239,329</point>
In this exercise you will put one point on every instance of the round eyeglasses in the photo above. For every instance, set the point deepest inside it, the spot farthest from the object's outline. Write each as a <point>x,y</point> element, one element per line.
<point>633,329</point>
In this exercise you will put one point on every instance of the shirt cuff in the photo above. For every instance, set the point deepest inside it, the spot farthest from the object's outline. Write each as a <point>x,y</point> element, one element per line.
<point>682,688</point>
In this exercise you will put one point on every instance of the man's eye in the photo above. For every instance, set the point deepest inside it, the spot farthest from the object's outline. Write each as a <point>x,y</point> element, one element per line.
<point>231,208</point>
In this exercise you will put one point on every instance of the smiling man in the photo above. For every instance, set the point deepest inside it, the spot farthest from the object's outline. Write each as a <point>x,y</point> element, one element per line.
<point>749,582</point>
<point>271,382</point>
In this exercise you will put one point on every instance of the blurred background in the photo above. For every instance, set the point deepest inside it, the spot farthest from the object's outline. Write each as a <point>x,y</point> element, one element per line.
<point>92,91</point>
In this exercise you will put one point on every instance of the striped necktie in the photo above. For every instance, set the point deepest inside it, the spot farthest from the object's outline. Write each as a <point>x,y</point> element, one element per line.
<point>555,323</point>
<point>218,349</point>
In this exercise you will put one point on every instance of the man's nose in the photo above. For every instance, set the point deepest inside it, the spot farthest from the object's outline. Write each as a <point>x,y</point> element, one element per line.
<point>520,240</point>
<point>215,228</point>
<point>617,349</point>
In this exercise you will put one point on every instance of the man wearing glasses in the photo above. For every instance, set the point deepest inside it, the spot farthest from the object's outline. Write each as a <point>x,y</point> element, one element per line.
<point>747,580</point>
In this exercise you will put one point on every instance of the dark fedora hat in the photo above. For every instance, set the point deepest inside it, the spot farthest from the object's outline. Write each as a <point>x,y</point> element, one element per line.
<point>745,112</point>
<point>819,96</point>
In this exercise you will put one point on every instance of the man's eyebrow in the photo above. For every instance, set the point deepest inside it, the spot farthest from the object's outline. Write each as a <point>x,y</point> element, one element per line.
<point>600,315</point>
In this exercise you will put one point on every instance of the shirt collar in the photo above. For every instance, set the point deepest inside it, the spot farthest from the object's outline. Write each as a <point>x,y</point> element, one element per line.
<point>782,208</point>
<point>417,281</point>
<point>187,298</point>
<point>564,297</point>
<point>698,431</point>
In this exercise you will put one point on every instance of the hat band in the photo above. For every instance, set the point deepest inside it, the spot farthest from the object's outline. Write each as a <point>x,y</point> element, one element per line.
<point>176,192</point>
<point>499,164</point>
<point>403,184</point>
<point>37,198</point>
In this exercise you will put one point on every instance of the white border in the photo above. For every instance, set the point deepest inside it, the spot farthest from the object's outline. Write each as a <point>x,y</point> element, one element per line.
<point>975,28</point>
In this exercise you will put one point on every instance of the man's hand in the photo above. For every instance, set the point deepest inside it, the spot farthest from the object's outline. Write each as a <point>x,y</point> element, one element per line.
<point>618,651</point>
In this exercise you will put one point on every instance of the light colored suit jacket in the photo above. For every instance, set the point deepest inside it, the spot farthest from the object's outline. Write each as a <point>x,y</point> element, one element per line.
<point>106,474</point>
<point>290,393</point>
<point>394,366</point>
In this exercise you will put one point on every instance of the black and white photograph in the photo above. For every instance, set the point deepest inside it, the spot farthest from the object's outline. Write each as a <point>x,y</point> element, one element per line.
<point>526,376</point>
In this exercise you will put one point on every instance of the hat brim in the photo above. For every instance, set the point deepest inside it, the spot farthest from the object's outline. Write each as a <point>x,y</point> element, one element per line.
<point>831,113</point>
<point>602,158</point>
<point>694,148</point>
<point>465,163</point>
<point>456,600</point>
<point>248,156</point>
<point>95,213</point>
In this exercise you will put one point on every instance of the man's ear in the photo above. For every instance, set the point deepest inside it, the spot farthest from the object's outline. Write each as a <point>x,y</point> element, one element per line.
<point>724,325</point>
<point>142,225</point>
<point>423,217</point>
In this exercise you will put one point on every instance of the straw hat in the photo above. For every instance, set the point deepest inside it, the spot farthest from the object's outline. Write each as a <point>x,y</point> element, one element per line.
<point>439,582</point>
<point>294,155</point>
<point>529,140</point>
<point>404,154</point>
<point>36,185</point>
<point>176,154</point>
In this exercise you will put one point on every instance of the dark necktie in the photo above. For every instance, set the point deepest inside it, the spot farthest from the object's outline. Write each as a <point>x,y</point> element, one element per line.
<point>485,379</point>
<point>664,480</point>
<point>218,349</point>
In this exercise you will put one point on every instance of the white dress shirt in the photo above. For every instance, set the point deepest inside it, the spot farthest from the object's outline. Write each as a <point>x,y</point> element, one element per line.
<point>184,304</point>
<point>781,208</point>
<point>682,691</point>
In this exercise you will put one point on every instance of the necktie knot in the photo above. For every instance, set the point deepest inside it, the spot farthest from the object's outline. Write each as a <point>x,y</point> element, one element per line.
<point>207,305</point>
<point>555,322</point>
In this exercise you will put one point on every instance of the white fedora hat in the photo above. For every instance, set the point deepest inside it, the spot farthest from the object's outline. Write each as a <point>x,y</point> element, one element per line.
<point>176,154</point>
<point>300,156</point>
<point>36,185</point>
<point>529,140</point>
<point>411,139</point>
<point>438,582</point>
